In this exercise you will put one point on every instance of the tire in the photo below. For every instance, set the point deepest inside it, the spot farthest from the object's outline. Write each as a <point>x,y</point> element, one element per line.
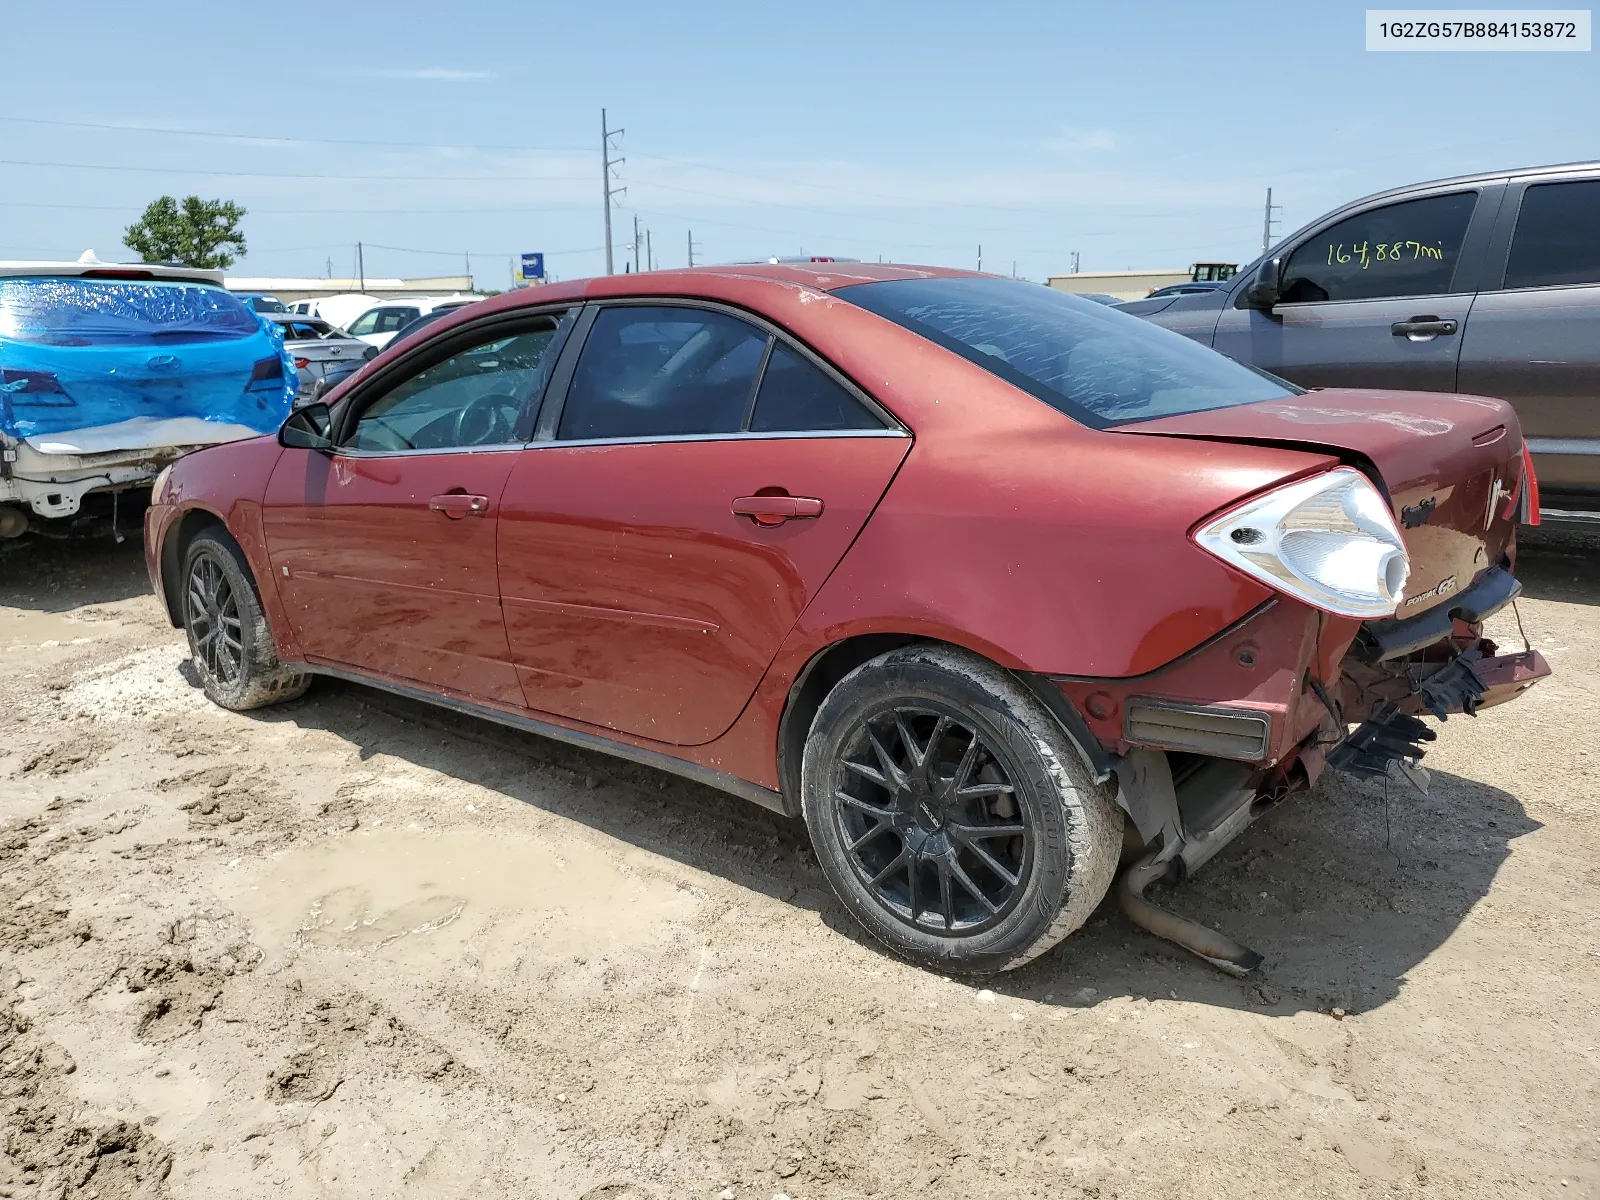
<point>229,640</point>
<point>906,830</point>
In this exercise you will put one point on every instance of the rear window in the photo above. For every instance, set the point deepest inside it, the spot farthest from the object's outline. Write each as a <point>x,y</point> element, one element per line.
<point>1096,365</point>
<point>67,311</point>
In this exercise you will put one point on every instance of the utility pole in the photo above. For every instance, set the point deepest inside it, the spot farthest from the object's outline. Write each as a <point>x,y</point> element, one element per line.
<point>691,247</point>
<point>1074,262</point>
<point>1013,268</point>
<point>635,243</point>
<point>980,256</point>
<point>1267,222</point>
<point>361,267</point>
<point>606,163</point>
<point>649,254</point>
<point>330,268</point>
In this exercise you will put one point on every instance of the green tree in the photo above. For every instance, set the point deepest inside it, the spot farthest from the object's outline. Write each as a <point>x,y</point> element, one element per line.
<point>196,233</point>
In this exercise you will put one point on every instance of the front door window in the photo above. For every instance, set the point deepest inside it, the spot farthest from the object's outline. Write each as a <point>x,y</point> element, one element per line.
<point>1406,249</point>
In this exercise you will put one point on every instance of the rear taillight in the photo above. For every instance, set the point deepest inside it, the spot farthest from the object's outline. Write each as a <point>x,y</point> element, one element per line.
<point>266,375</point>
<point>1528,502</point>
<point>300,364</point>
<point>40,388</point>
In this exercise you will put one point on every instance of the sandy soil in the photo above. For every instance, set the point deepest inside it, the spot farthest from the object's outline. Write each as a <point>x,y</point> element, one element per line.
<point>355,947</point>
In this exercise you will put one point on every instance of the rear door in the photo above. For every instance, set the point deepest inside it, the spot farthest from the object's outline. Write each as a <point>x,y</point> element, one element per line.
<point>384,549</point>
<point>1534,336</point>
<point>1376,299</point>
<point>689,490</point>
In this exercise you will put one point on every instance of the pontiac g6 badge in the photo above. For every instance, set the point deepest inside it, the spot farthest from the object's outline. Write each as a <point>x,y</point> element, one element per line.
<point>1443,588</point>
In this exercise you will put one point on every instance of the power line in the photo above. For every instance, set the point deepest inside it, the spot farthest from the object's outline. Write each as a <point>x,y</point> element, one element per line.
<point>325,212</point>
<point>256,137</point>
<point>17,162</point>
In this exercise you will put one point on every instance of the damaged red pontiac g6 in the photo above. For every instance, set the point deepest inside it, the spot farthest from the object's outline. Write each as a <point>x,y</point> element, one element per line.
<point>995,587</point>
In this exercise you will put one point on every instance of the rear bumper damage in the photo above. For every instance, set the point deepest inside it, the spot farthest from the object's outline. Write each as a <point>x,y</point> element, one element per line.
<point>1203,746</point>
<point>50,474</point>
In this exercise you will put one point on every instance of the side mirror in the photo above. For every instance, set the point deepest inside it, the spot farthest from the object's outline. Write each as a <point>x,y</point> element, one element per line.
<point>308,428</point>
<point>1263,291</point>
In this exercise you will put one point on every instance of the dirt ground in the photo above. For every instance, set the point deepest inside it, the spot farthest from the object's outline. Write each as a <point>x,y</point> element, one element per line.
<point>356,947</point>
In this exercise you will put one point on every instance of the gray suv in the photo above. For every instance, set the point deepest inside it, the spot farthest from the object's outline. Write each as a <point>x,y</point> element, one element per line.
<point>1486,284</point>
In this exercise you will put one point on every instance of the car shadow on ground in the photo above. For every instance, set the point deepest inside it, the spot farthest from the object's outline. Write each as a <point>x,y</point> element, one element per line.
<point>61,575</point>
<point>1560,562</point>
<point>1342,890</point>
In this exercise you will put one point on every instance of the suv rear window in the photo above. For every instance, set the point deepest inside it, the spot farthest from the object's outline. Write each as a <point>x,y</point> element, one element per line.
<point>1096,365</point>
<point>67,311</point>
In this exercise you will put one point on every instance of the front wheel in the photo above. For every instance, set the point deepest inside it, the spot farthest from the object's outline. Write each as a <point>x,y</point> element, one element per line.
<point>950,813</point>
<point>229,640</point>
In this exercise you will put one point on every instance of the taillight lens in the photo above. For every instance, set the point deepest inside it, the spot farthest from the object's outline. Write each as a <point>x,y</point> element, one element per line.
<point>1528,502</point>
<point>266,375</point>
<point>300,364</point>
<point>1329,540</point>
<point>41,388</point>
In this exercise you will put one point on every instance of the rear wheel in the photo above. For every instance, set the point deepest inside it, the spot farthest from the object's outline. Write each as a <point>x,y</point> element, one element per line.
<point>228,636</point>
<point>951,814</point>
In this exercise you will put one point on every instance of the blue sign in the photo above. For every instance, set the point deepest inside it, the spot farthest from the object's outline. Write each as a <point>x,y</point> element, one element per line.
<point>533,266</point>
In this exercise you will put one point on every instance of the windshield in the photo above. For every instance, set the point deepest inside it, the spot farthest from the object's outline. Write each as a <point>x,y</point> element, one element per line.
<point>1097,365</point>
<point>68,311</point>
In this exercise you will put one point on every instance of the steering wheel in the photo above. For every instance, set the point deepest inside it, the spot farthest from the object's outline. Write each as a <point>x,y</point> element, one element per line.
<point>487,421</point>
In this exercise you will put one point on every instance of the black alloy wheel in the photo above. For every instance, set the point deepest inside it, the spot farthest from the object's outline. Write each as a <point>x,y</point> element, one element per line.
<point>214,621</point>
<point>930,821</point>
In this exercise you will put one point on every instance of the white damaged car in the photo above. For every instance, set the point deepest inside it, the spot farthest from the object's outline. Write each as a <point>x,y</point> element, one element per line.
<point>109,372</point>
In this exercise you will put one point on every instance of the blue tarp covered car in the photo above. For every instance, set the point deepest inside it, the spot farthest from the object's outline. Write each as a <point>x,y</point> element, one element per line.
<point>109,372</point>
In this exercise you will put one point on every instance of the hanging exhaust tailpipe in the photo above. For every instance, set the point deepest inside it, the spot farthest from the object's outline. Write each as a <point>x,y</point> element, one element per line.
<point>1221,952</point>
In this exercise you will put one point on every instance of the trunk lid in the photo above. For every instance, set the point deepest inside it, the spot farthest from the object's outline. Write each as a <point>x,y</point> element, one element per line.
<point>1450,464</point>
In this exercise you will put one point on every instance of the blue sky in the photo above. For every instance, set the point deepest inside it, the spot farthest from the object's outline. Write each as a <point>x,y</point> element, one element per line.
<point>1138,134</point>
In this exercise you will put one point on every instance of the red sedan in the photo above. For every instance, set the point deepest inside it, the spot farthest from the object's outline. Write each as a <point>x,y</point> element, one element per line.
<point>968,573</point>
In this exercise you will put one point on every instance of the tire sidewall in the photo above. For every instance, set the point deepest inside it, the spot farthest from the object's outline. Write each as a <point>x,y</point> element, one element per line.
<point>902,680</point>
<point>252,623</point>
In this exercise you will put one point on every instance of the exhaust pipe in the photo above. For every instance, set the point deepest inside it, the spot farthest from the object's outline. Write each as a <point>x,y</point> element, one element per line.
<point>1220,951</point>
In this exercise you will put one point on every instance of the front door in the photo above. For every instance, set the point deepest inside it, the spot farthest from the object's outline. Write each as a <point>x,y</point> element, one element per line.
<point>703,480</point>
<point>1369,302</point>
<point>1535,338</point>
<point>384,550</point>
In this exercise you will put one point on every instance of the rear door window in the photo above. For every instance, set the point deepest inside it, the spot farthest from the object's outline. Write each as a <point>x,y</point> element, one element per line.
<point>797,396</point>
<point>649,371</point>
<point>1406,249</point>
<point>1557,239</point>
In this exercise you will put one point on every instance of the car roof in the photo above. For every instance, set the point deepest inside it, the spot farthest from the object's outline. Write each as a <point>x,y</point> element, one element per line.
<point>105,270</point>
<point>1486,177</point>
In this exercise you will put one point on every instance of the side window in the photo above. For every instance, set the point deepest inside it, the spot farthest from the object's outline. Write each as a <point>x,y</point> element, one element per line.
<point>797,397</point>
<point>366,323</point>
<point>470,399</point>
<point>1557,239</point>
<point>391,320</point>
<point>659,372</point>
<point>1406,249</point>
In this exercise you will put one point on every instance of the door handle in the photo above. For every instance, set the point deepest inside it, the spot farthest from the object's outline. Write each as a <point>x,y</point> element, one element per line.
<point>775,510</point>
<point>1424,328</point>
<point>456,505</point>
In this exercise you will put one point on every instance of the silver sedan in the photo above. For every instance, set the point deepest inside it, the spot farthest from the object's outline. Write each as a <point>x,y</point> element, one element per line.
<point>317,347</point>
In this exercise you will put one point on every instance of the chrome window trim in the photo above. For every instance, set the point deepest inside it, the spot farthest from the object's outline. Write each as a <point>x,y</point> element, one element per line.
<point>736,436</point>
